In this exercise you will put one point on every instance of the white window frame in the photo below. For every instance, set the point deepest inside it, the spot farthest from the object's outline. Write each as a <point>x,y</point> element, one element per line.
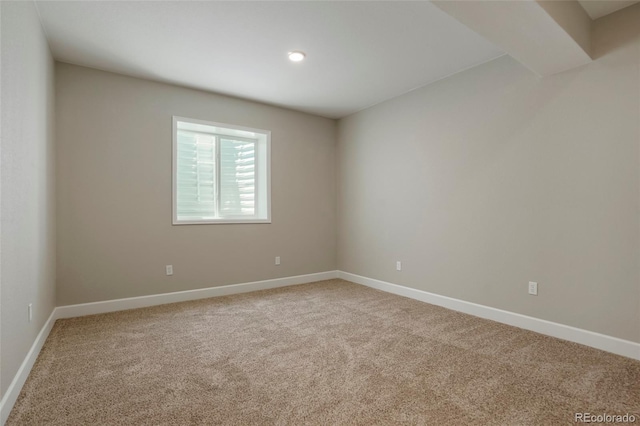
<point>174,174</point>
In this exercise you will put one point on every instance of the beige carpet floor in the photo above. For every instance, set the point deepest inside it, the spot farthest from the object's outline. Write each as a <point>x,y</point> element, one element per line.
<point>326,353</point>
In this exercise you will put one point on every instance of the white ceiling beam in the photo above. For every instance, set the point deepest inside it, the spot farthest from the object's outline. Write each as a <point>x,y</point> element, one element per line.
<point>547,37</point>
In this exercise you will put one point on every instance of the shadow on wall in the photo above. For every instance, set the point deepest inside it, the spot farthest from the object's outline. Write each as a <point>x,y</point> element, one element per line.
<point>616,31</point>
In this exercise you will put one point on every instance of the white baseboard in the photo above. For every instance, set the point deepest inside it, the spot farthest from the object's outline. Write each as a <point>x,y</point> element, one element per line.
<point>15,387</point>
<point>70,311</point>
<point>585,337</point>
<point>561,331</point>
<point>93,308</point>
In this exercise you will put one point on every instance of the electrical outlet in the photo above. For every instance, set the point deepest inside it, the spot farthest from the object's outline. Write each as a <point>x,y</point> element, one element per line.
<point>30,308</point>
<point>398,266</point>
<point>277,260</point>
<point>169,269</point>
<point>533,288</point>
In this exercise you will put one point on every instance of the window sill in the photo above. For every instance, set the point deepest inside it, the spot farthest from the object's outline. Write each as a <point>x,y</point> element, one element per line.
<point>220,221</point>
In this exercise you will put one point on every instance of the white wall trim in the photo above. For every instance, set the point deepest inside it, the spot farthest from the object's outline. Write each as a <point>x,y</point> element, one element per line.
<point>70,311</point>
<point>589,338</point>
<point>93,308</point>
<point>585,337</point>
<point>15,387</point>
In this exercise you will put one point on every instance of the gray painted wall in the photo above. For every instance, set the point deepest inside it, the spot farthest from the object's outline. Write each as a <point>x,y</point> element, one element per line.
<point>492,178</point>
<point>27,185</point>
<point>114,192</point>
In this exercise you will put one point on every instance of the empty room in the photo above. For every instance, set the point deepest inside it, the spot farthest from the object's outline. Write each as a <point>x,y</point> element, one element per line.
<point>319,212</point>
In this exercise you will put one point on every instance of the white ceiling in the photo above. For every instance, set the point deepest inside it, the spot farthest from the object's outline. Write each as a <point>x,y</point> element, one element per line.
<point>599,8</point>
<point>358,53</point>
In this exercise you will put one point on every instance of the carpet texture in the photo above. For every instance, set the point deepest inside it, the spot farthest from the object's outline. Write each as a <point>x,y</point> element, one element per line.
<point>325,353</point>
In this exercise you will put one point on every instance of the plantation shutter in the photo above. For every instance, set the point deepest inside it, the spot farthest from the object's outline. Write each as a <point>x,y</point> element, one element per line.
<point>237,177</point>
<point>216,176</point>
<point>196,175</point>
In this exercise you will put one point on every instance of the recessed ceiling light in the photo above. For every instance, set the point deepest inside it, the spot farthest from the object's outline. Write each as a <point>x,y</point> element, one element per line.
<point>296,56</point>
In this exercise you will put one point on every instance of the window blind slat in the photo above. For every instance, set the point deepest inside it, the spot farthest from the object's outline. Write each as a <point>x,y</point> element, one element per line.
<point>237,176</point>
<point>196,175</point>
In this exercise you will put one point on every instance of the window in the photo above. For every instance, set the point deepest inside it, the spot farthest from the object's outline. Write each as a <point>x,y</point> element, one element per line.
<point>220,173</point>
